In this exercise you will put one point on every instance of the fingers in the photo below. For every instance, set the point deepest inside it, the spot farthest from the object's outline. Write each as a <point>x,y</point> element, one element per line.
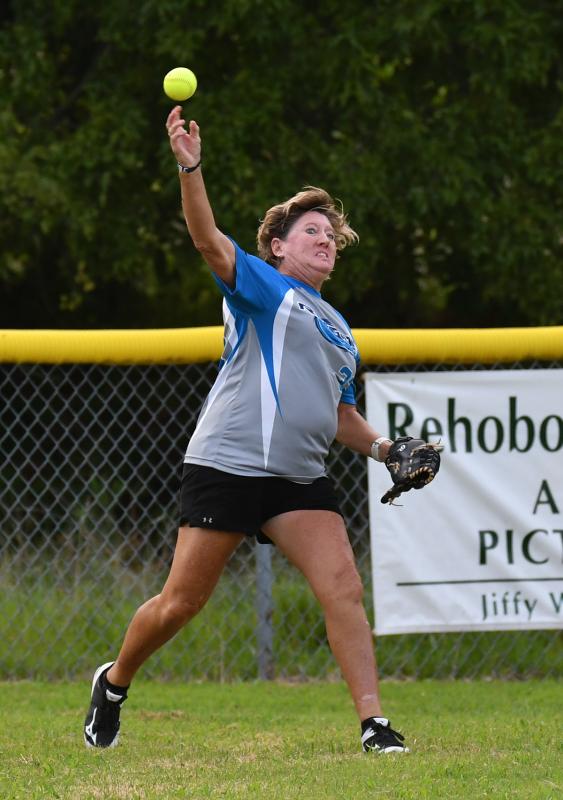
<point>174,121</point>
<point>177,128</point>
<point>173,116</point>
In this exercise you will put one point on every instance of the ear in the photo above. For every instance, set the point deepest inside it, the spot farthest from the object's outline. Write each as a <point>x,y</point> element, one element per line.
<point>276,247</point>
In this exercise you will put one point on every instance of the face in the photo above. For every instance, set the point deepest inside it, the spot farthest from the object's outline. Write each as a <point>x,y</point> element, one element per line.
<point>308,251</point>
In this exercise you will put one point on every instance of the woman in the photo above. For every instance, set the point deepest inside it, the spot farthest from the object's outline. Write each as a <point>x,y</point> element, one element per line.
<point>255,464</point>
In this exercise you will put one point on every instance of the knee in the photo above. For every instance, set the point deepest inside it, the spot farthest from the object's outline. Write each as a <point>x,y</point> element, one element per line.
<point>344,588</point>
<point>176,611</point>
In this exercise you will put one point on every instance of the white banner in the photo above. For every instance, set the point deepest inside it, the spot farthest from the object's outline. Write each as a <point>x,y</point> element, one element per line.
<point>480,548</point>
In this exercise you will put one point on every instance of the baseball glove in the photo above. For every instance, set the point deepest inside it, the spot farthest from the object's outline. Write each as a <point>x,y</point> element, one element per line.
<point>412,463</point>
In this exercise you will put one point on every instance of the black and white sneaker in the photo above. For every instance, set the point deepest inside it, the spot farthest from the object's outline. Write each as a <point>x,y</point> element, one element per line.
<point>379,736</point>
<point>101,727</point>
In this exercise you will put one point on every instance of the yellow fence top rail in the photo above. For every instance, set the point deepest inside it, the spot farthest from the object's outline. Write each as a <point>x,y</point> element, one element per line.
<point>196,345</point>
<point>460,345</point>
<point>160,346</point>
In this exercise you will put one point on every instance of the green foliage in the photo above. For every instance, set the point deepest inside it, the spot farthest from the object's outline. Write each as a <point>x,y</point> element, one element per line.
<point>437,122</point>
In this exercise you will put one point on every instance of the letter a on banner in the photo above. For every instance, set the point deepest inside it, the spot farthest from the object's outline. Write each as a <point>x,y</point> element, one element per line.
<point>545,497</point>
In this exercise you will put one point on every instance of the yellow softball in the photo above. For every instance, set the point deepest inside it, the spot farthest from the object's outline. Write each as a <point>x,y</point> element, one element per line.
<point>180,83</point>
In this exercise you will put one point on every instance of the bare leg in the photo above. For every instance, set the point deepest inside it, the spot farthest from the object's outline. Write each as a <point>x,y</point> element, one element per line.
<point>199,559</point>
<point>316,542</point>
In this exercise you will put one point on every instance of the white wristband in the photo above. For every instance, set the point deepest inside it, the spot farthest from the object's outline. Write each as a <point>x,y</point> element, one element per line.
<point>376,445</point>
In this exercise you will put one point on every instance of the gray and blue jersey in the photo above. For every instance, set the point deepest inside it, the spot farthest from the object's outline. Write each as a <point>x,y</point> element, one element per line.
<point>289,360</point>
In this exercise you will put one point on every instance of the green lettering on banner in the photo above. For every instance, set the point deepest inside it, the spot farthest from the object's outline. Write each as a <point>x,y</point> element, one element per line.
<point>499,434</point>
<point>514,422</point>
<point>549,499</point>
<point>488,540</point>
<point>453,422</point>
<point>509,546</point>
<point>399,428</point>
<point>526,542</point>
<point>491,433</point>
<point>430,428</point>
<point>544,432</point>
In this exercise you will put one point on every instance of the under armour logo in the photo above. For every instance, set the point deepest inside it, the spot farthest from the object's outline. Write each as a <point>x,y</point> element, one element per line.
<point>207,519</point>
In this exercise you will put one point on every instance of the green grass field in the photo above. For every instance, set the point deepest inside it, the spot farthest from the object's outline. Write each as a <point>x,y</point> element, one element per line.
<point>258,740</point>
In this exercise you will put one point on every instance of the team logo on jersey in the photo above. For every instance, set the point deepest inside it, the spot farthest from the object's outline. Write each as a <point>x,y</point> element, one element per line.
<point>335,336</point>
<point>331,333</point>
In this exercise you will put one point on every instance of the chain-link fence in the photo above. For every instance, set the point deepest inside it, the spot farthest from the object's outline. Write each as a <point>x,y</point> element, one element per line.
<point>91,459</point>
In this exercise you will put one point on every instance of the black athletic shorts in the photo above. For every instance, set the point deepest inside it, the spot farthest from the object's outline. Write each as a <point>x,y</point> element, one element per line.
<point>210,498</point>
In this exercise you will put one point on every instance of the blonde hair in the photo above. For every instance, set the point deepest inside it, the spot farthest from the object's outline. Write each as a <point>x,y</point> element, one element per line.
<point>279,219</point>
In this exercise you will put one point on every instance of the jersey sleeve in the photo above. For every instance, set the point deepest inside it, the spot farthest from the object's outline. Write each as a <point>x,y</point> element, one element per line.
<point>348,391</point>
<point>349,395</point>
<point>258,285</point>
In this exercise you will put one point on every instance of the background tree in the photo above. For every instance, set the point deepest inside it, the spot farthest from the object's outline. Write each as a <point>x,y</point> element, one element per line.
<point>437,122</point>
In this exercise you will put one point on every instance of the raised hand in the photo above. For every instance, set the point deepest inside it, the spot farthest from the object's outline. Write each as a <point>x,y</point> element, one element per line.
<point>185,144</point>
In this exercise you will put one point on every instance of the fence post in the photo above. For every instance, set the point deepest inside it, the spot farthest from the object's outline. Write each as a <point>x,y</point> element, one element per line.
<point>265,609</point>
